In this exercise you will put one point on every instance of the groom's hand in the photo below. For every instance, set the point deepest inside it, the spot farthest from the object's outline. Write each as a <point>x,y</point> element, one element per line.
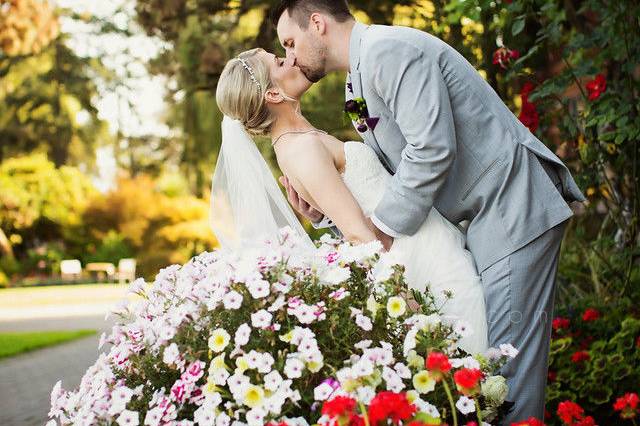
<point>304,208</point>
<point>386,240</point>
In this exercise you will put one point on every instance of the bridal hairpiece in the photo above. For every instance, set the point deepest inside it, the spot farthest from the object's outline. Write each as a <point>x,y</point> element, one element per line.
<point>251,74</point>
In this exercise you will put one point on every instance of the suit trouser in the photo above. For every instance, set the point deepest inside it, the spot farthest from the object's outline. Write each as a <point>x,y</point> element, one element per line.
<point>519,291</point>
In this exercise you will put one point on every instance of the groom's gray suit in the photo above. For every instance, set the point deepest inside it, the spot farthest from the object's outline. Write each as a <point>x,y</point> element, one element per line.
<point>451,143</point>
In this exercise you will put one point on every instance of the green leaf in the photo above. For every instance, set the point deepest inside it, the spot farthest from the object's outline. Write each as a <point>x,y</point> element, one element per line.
<point>517,27</point>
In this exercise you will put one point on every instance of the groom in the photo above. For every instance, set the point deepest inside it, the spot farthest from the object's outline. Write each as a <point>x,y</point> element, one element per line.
<point>450,143</point>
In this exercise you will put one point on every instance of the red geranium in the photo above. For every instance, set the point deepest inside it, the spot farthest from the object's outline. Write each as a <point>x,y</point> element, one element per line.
<point>437,363</point>
<point>580,356</point>
<point>559,323</point>
<point>585,421</point>
<point>339,406</point>
<point>569,412</point>
<point>596,87</point>
<point>590,314</point>
<point>528,114</point>
<point>390,406</point>
<point>532,421</point>
<point>467,379</point>
<point>627,405</point>
<point>503,56</point>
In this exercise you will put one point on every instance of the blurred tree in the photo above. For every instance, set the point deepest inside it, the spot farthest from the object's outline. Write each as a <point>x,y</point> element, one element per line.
<point>26,27</point>
<point>39,201</point>
<point>46,89</point>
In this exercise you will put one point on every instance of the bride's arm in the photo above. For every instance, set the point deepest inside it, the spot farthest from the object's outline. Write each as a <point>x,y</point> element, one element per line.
<point>312,172</point>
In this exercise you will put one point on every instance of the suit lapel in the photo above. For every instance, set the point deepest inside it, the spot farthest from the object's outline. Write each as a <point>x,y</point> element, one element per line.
<point>355,46</point>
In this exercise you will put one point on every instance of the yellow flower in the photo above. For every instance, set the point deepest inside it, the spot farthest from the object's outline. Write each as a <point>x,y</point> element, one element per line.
<point>591,192</point>
<point>287,337</point>
<point>210,388</point>
<point>396,306</point>
<point>414,360</point>
<point>219,340</point>
<point>581,140</point>
<point>412,396</point>
<point>218,363</point>
<point>315,366</point>
<point>254,396</point>
<point>423,383</point>
<point>350,385</point>
<point>241,365</point>
<point>611,148</point>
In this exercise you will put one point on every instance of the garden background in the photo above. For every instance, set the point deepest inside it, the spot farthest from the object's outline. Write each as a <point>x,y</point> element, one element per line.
<point>109,133</point>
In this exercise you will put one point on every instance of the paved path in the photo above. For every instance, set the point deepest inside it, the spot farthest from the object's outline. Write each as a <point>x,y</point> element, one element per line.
<point>26,380</point>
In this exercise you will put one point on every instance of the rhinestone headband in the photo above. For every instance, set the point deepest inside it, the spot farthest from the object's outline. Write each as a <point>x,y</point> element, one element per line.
<point>251,74</point>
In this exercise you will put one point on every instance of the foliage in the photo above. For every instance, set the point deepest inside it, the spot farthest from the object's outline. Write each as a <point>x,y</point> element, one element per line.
<point>39,201</point>
<point>158,229</point>
<point>111,248</point>
<point>26,26</point>
<point>595,352</point>
<point>268,332</point>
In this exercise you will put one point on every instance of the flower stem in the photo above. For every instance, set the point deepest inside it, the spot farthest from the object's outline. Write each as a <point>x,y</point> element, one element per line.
<point>453,406</point>
<point>364,413</point>
<point>478,410</point>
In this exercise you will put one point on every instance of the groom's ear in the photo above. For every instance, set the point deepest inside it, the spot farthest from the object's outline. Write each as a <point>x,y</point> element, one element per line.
<point>318,22</point>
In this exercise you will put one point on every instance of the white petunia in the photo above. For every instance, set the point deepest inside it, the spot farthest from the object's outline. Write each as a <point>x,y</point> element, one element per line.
<point>508,350</point>
<point>364,322</point>
<point>205,415</point>
<point>219,376</point>
<point>232,300</point>
<point>171,354</point>
<point>241,337</point>
<point>293,368</point>
<point>255,417</point>
<point>128,418</point>
<point>261,319</point>
<point>264,364</point>
<point>365,394</point>
<point>363,344</point>
<point>272,381</point>
<point>323,391</point>
<point>363,368</point>
<point>462,328</point>
<point>465,405</point>
<point>258,288</point>
<point>402,370</point>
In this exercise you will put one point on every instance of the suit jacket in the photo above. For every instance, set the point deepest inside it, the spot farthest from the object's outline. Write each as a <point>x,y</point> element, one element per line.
<point>451,143</point>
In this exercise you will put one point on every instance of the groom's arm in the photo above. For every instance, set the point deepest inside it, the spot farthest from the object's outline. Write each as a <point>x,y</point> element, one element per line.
<point>410,83</point>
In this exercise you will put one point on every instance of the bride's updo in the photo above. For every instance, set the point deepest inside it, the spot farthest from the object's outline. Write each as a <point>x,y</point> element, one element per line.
<point>241,89</point>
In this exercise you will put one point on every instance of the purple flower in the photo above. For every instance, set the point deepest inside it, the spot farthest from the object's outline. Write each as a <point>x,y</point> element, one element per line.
<point>351,106</point>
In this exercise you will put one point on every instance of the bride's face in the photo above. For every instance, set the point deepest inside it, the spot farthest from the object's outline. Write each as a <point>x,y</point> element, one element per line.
<point>287,77</point>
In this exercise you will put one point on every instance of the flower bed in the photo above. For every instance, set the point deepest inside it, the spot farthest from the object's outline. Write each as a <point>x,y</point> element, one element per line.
<point>277,334</point>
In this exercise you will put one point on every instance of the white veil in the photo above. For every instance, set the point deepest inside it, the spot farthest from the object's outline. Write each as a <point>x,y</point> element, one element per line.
<point>247,205</point>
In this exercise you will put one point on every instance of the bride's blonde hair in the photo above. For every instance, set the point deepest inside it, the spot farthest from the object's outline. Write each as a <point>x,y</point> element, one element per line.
<point>240,93</point>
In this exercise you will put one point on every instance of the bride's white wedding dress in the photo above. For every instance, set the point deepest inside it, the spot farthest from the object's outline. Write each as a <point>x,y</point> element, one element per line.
<point>434,256</point>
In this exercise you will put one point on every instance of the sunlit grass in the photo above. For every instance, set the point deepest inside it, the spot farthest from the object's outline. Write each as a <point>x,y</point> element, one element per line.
<point>16,343</point>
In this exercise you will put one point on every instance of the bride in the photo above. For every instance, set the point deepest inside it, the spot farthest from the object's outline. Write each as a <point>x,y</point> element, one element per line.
<point>259,93</point>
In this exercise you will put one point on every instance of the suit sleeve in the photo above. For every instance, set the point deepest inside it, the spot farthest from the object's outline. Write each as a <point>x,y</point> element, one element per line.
<point>410,83</point>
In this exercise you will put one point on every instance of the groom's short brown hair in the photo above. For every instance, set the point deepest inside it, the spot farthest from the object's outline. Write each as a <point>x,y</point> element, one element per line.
<point>301,10</point>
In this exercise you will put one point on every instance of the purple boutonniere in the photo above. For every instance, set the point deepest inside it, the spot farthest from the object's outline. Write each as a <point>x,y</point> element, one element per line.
<point>356,110</point>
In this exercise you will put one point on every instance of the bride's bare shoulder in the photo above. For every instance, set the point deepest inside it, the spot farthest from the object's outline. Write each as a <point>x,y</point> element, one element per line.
<point>309,150</point>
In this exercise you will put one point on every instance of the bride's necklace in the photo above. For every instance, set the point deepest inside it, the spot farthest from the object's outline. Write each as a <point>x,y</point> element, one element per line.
<point>297,132</point>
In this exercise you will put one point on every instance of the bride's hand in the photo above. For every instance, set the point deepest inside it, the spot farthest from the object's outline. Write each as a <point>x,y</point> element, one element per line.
<point>304,208</point>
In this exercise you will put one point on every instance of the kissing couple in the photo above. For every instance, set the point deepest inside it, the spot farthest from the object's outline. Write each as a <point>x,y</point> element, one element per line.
<point>440,149</point>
